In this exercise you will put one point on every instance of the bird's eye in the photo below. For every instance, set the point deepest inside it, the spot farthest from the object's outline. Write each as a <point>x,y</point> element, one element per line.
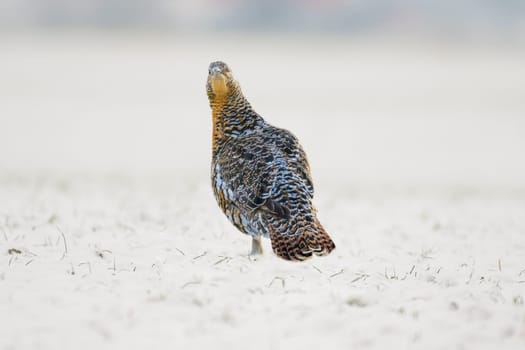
<point>209,71</point>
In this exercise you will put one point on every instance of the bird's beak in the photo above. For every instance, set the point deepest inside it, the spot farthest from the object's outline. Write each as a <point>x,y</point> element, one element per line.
<point>215,71</point>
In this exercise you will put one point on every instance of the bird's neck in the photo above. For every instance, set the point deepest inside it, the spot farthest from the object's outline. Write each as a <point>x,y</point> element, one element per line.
<point>232,115</point>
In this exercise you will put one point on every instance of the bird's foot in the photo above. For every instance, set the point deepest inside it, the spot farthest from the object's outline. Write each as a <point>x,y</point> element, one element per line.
<point>256,246</point>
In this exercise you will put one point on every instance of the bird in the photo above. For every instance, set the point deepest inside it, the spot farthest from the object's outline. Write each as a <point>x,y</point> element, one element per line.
<point>260,175</point>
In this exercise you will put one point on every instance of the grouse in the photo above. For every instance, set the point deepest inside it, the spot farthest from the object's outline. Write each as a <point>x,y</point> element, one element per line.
<point>260,174</point>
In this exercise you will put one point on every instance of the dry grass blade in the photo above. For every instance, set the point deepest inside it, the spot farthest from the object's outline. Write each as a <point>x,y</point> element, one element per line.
<point>5,234</point>
<point>318,269</point>
<point>225,258</point>
<point>65,242</point>
<point>200,256</point>
<point>337,273</point>
<point>283,282</point>
<point>190,283</point>
<point>361,276</point>
<point>86,263</point>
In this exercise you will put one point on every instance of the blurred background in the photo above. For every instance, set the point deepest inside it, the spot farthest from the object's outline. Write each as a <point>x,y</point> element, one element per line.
<point>411,93</point>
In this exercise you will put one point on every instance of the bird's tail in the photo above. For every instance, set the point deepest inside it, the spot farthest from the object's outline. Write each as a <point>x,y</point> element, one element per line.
<point>301,243</point>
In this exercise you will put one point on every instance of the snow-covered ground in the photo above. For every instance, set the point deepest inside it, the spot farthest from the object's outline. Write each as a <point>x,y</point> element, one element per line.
<point>139,263</point>
<point>110,236</point>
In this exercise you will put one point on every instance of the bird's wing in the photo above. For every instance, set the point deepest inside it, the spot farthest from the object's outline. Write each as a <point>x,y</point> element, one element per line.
<point>248,168</point>
<point>295,156</point>
<point>258,168</point>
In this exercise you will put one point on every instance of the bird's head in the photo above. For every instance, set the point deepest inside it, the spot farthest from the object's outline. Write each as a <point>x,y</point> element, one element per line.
<point>221,83</point>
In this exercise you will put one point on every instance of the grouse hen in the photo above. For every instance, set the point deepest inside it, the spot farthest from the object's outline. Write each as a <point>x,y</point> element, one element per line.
<point>260,174</point>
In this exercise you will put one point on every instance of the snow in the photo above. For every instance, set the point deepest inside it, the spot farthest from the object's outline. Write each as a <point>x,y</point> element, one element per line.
<point>148,265</point>
<point>110,236</point>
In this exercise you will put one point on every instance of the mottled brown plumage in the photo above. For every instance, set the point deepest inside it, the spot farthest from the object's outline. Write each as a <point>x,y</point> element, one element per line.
<point>260,174</point>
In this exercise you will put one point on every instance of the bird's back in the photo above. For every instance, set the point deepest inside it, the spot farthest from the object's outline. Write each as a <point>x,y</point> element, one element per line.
<point>261,180</point>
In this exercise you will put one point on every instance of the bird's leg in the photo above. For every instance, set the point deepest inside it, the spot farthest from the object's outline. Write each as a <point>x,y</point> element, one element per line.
<point>256,245</point>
